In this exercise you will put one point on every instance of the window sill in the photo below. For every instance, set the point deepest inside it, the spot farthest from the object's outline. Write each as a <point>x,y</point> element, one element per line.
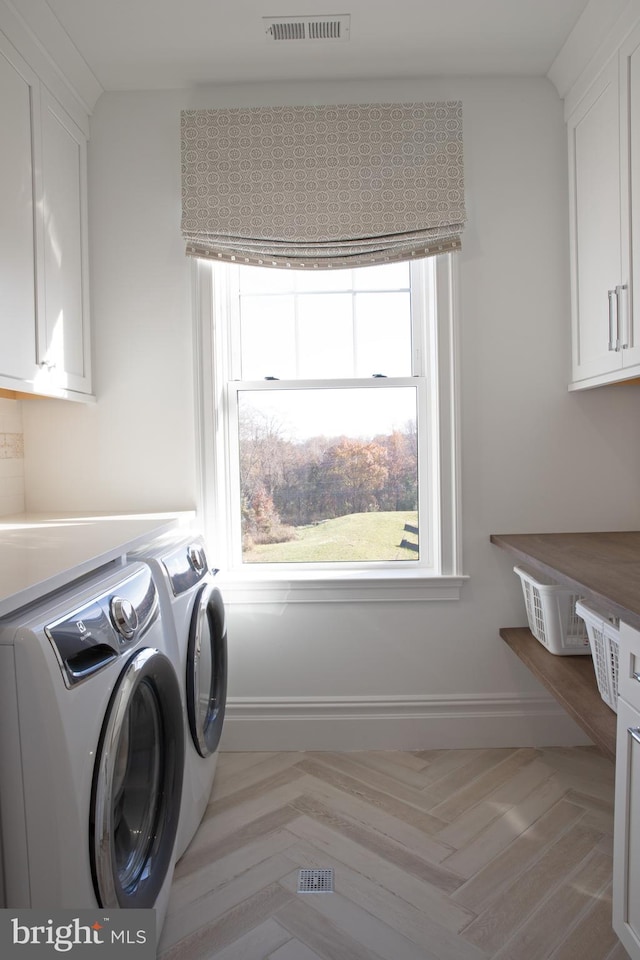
<point>349,587</point>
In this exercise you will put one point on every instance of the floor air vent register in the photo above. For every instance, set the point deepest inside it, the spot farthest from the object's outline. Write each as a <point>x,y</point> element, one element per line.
<point>315,881</point>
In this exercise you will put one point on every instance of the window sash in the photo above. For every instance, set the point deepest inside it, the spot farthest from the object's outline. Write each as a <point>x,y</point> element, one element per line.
<point>428,517</point>
<point>421,275</point>
<point>329,335</point>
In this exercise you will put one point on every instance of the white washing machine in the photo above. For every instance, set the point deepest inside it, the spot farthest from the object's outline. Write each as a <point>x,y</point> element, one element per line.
<point>91,747</point>
<point>190,597</point>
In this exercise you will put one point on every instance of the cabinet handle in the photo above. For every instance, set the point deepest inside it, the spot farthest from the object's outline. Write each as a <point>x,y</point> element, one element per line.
<point>635,733</point>
<point>622,344</point>
<point>613,345</point>
<point>636,676</point>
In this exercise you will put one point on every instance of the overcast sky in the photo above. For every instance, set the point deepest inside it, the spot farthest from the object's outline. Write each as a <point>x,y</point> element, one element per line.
<point>355,412</point>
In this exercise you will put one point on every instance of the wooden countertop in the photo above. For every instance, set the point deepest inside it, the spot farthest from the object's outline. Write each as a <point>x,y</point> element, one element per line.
<point>602,567</point>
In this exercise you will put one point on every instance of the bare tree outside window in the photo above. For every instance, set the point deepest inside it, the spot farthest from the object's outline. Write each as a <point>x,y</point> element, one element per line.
<point>310,497</point>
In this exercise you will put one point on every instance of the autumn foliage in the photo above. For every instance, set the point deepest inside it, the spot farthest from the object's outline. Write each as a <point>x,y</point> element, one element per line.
<point>285,484</point>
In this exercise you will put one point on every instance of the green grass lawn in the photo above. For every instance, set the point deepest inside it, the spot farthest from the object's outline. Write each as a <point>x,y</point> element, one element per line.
<point>358,536</point>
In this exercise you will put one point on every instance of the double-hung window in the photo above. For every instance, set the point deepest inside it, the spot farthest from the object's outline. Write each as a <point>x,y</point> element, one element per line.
<point>328,428</point>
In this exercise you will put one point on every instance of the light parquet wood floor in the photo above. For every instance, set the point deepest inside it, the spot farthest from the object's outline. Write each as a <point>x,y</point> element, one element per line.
<point>437,855</point>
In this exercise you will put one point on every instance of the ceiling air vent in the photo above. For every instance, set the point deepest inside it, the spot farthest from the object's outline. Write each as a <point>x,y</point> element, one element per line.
<point>308,28</point>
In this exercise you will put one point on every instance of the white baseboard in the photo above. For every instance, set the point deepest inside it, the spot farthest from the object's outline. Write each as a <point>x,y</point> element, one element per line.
<point>397,723</point>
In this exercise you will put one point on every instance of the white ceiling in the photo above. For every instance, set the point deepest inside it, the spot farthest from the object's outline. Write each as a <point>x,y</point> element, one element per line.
<point>155,44</point>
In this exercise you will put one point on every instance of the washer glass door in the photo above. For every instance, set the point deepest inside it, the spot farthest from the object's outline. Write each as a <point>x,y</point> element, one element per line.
<point>207,670</point>
<point>137,784</point>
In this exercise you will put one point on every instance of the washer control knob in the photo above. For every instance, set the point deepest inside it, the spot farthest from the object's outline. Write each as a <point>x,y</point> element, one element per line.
<point>124,616</point>
<point>197,558</point>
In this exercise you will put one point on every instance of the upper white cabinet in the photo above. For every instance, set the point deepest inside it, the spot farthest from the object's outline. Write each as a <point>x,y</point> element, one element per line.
<point>44,302</point>
<point>19,109</point>
<point>604,181</point>
<point>629,60</point>
<point>63,334</point>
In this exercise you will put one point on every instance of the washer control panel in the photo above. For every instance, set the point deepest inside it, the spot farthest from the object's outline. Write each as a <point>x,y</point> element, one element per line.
<point>186,566</point>
<point>95,634</point>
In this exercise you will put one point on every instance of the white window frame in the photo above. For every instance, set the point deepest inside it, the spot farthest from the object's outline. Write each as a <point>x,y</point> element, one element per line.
<point>436,358</point>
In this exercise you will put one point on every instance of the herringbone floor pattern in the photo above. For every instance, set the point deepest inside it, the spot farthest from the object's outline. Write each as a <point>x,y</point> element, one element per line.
<point>438,855</point>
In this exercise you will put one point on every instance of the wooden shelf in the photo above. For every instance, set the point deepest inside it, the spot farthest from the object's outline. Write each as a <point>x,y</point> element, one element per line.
<point>572,681</point>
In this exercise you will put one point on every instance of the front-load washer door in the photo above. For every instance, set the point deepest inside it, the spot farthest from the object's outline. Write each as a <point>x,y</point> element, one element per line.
<point>207,670</point>
<point>137,784</point>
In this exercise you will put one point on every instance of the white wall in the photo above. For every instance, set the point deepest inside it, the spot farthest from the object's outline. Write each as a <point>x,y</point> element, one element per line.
<point>534,457</point>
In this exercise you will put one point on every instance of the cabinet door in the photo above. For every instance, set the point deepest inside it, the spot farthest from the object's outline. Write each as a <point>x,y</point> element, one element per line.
<point>630,193</point>
<point>626,852</point>
<point>18,115</point>
<point>629,665</point>
<point>63,333</point>
<point>594,198</point>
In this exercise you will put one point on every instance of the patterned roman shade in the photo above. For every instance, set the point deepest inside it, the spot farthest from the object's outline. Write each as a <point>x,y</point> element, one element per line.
<point>325,186</point>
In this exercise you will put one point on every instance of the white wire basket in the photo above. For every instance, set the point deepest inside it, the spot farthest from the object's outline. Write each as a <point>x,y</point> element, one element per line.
<point>604,640</point>
<point>551,612</point>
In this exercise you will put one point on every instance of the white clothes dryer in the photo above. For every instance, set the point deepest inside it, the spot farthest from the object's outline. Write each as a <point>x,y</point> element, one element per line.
<point>190,597</point>
<point>91,747</point>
